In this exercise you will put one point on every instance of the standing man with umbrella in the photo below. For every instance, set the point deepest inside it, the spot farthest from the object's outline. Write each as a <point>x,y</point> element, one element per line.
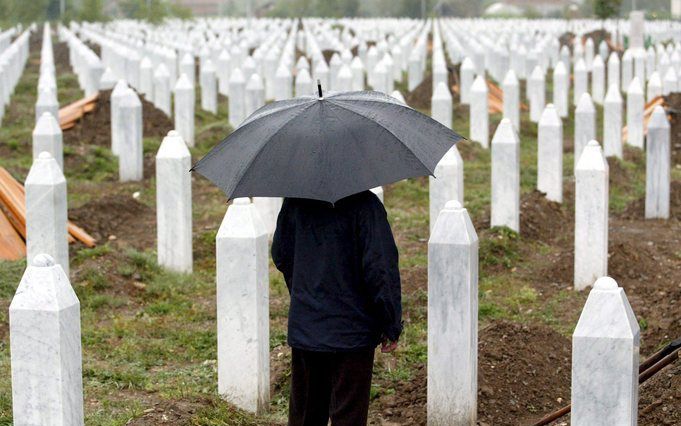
<point>340,264</point>
<point>333,242</point>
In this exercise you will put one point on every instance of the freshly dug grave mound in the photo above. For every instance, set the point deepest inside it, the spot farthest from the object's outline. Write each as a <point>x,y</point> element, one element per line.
<point>118,217</point>
<point>95,128</point>
<point>541,219</point>
<point>660,398</point>
<point>597,36</point>
<point>636,209</point>
<point>524,372</point>
<point>419,98</point>
<point>566,39</point>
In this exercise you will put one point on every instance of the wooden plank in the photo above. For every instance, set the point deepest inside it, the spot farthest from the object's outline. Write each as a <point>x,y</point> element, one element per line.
<point>79,234</point>
<point>73,112</point>
<point>13,203</point>
<point>12,247</point>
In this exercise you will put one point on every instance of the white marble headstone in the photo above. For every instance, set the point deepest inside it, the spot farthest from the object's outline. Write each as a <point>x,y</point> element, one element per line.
<point>452,318</point>
<point>45,347</point>
<point>243,308</point>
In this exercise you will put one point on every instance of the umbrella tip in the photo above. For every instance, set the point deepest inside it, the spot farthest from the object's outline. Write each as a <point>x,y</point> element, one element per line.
<point>319,88</point>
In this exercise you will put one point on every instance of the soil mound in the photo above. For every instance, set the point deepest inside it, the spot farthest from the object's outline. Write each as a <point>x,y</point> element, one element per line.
<point>636,209</point>
<point>120,216</point>
<point>566,39</point>
<point>407,406</point>
<point>516,380</point>
<point>660,398</point>
<point>541,219</point>
<point>95,128</point>
<point>597,36</point>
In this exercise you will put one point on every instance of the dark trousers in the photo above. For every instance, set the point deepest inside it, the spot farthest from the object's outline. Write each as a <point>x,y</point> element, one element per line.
<point>330,385</point>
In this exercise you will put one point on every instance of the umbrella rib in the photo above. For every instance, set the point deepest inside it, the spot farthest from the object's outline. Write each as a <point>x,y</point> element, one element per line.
<point>401,105</point>
<point>387,130</point>
<point>245,125</point>
<point>264,144</point>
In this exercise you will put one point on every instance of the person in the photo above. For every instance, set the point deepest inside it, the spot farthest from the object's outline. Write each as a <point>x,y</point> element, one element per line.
<point>340,264</point>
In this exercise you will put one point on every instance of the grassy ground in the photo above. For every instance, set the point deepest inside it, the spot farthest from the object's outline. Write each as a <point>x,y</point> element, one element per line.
<point>149,338</point>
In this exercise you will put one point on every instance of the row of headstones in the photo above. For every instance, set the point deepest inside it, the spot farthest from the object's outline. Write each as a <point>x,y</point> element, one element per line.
<point>590,167</point>
<point>86,64</point>
<point>484,51</point>
<point>220,48</point>
<point>612,102</point>
<point>602,393</point>
<point>12,62</point>
<point>47,134</point>
<point>45,303</point>
<point>246,97</point>
<point>45,338</point>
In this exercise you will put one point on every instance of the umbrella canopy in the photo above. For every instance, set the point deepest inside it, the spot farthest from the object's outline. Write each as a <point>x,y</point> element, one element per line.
<point>326,148</point>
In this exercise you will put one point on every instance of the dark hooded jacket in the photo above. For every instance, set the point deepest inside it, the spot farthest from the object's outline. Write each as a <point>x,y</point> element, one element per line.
<point>340,264</point>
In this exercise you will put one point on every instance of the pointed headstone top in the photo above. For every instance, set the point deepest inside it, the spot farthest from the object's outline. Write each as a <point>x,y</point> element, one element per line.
<point>188,59</point>
<point>598,62</point>
<point>255,82</point>
<point>453,226</point>
<point>242,221</point>
<point>356,63</point>
<point>184,83</point>
<point>208,66</point>
<point>173,146</point>
<point>45,171</point>
<point>505,133</point>
<point>47,125</point>
<point>613,95</point>
<point>614,59</point>
<point>580,65</point>
<point>549,117</point>
<point>479,85</point>
<point>655,80</point>
<point>592,158</point>
<point>283,72</point>
<point>607,313</point>
<point>635,87</point>
<point>537,74</point>
<point>510,79</point>
<point>658,120</point>
<point>585,104</point>
<point>237,76</point>
<point>120,87</point>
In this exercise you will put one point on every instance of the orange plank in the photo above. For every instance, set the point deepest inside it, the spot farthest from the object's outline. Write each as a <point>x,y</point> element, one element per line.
<point>79,234</point>
<point>12,247</point>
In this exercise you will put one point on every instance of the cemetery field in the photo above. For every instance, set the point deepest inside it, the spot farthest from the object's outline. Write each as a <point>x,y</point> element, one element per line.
<point>149,337</point>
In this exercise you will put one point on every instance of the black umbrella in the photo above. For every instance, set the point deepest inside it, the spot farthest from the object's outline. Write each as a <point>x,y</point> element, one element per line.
<point>326,148</point>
